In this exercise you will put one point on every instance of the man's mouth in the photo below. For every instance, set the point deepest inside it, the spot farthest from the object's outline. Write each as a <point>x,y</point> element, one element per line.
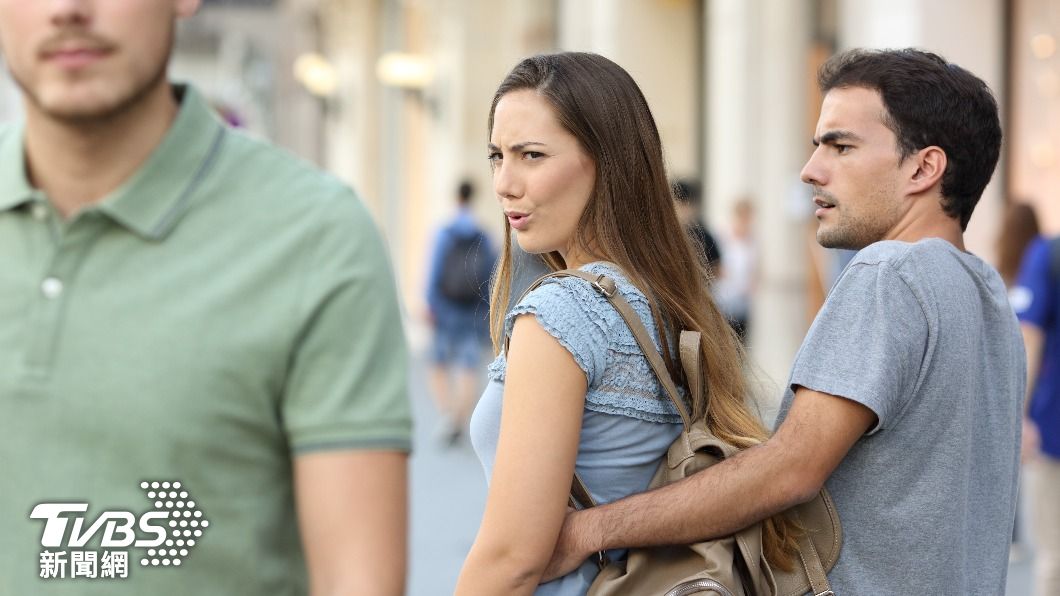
<point>74,51</point>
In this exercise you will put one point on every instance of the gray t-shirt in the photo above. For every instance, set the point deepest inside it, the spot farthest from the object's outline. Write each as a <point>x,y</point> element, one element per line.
<point>923,335</point>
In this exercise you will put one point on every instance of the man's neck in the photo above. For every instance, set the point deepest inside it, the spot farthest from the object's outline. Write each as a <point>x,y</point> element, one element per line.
<point>77,164</point>
<point>926,219</point>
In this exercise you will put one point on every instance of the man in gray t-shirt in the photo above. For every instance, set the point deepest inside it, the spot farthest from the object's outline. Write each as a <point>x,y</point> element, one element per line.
<point>905,397</point>
<point>921,335</point>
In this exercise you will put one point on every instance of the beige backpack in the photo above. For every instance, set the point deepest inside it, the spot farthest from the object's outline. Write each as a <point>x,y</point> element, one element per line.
<point>728,566</point>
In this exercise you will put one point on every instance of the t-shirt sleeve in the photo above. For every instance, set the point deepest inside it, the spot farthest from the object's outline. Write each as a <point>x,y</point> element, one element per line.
<point>868,343</point>
<point>570,311</point>
<point>346,385</point>
<point>1034,294</point>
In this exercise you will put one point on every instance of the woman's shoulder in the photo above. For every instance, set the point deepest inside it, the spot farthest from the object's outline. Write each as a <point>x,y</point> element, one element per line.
<point>560,289</point>
<point>574,303</point>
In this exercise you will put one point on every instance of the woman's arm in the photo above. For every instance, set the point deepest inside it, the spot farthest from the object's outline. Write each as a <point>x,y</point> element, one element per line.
<point>544,396</point>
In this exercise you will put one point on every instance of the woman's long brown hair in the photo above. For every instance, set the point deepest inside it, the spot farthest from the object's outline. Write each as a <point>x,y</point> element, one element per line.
<point>630,220</point>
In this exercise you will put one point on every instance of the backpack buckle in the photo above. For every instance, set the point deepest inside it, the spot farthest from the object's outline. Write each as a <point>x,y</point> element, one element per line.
<point>605,285</point>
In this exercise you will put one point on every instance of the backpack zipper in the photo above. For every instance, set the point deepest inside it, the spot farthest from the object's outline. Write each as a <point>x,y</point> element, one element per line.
<point>694,586</point>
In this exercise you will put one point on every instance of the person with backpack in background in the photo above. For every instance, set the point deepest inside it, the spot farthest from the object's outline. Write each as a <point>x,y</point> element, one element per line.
<point>1036,300</point>
<point>458,299</point>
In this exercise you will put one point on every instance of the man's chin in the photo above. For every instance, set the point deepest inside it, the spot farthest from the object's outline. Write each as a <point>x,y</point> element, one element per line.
<point>829,239</point>
<point>76,105</point>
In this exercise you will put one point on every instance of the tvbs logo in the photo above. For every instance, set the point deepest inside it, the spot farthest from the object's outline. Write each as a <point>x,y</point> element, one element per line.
<point>168,531</point>
<point>118,526</point>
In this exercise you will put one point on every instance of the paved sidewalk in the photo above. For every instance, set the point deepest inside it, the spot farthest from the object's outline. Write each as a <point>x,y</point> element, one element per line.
<point>448,492</point>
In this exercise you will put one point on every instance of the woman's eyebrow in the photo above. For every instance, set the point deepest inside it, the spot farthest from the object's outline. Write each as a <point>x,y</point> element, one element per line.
<point>518,146</point>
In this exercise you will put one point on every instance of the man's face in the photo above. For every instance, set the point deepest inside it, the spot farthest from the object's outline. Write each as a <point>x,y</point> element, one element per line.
<point>855,171</point>
<point>85,60</point>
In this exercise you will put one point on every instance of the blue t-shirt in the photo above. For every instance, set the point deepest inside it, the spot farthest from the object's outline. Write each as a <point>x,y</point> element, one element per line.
<point>1036,300</point>
<point>628,422</point>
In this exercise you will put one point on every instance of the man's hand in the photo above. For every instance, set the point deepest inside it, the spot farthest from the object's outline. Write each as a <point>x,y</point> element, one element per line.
<point>1030,441</point>
<point>570,550</point>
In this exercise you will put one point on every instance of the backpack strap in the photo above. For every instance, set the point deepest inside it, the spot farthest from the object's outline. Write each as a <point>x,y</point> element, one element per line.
<point>811,563</point>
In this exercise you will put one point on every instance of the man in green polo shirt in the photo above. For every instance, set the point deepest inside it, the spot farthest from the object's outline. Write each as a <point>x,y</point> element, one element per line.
<point>202,366</point>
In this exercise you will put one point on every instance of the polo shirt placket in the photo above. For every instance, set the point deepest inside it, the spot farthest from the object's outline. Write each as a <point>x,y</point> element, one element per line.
<point>71,244</point>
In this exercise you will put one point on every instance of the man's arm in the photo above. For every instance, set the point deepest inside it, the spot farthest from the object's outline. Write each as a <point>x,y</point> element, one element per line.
<point>790,468</point>
<point>352,516</point>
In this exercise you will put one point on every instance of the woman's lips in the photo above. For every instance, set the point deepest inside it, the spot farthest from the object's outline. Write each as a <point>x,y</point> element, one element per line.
<point>518,221</point>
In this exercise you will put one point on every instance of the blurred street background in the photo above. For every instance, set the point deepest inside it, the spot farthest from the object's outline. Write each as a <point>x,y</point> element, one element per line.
<point>392,96</point>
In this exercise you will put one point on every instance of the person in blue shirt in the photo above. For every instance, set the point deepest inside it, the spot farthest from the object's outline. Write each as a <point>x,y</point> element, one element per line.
<point>1036,300</point>
<point>457,296</point>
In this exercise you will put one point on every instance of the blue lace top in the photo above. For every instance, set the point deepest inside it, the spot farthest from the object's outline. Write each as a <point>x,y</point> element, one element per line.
<point>588,326</point>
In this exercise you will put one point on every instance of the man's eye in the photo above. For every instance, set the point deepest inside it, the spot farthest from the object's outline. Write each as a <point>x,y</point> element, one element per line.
<point>841,149</point>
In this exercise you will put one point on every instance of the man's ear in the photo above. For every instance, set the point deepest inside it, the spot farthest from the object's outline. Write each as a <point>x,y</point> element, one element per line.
<point>931,165</point>
<point>186,8</point>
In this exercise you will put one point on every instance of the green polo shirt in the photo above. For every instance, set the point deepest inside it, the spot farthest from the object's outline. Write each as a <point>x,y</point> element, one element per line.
<point>226,309</point>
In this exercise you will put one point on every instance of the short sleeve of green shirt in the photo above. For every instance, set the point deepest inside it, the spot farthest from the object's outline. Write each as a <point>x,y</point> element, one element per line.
<point>347,383</point>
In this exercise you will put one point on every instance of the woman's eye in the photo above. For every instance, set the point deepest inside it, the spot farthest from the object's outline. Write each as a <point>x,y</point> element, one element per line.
<point>533,154</point>
<point>494,157</point>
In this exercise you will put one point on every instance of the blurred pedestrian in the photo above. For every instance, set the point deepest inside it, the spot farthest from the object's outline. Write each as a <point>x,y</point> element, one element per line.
<point>578,170</point>
<point>905,396</point>
<point>458,297</point>
<point>735,286</point>
<point>1036,300</point>
<point>688,199</point>
<point>1019,227</point>
<point>183,304</point>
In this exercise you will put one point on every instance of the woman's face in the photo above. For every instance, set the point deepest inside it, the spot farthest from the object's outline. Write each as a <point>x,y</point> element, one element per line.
<point>542,176</point>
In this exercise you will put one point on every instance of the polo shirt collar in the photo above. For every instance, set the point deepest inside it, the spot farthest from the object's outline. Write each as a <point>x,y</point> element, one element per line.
<point>158,194</point>
<point>15,188</point>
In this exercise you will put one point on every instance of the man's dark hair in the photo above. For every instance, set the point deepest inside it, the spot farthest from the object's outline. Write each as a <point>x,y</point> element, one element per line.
<point>930,102</point>
<point>464,192</point>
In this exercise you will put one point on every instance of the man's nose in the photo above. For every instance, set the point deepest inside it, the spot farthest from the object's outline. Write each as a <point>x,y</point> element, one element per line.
<point>813,171</point>
<point>69,12</point>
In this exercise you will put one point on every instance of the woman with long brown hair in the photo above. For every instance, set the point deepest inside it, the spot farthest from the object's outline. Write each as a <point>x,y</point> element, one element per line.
<point>578,172</point>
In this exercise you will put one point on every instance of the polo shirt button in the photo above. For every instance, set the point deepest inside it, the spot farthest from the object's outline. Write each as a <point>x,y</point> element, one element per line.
<point>51,287</point>
<point>39,211</point>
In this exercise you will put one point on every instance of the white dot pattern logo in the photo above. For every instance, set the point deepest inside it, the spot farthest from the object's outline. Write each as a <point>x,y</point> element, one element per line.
<point>168,497</point>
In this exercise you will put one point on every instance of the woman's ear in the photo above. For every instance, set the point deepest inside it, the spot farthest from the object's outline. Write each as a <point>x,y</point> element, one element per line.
<point>931,165</point>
